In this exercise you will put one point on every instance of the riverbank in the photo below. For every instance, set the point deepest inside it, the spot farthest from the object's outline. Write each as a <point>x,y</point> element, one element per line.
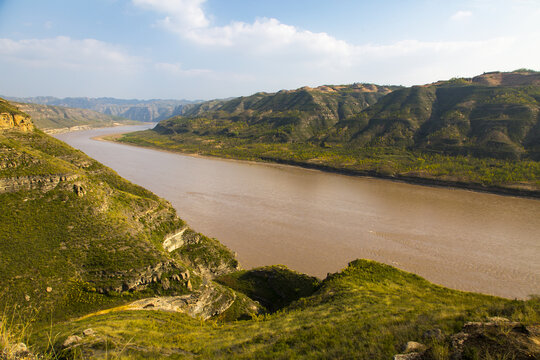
<point>65,130</point>
<point>316,221</point>
<point>419,177</point>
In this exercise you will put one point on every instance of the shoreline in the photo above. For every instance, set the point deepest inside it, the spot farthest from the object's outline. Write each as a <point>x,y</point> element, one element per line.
<point>448,184</point>
<point>65,130</point>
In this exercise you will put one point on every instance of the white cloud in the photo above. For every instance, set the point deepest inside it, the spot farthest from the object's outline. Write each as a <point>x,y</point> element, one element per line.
<point>65,53</point>
<point>177,69</point>
<point>461,15</point>
<point>182,15</point>
<point>284,54</point>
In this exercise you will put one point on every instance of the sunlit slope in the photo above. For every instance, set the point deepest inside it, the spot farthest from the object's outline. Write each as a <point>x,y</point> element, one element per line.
<point>58,118</point>
<point>286,116</point>
<point>481,133</point>
<point>478,117</point>
<point>75,237</point>
<point>367,311</point>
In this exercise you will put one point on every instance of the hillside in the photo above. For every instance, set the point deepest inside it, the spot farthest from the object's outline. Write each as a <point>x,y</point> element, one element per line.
<point>492,115</point>
<point>96,267</point>
<point>75,237</point>
<point>366,311</point>
<point>138,110</point>
<point>481,133</point>
<point>54,119</point>
<point>286,116</point>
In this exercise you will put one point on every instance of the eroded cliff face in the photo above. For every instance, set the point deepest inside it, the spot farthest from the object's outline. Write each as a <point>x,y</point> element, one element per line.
<point>15,121</point>
<point>13,118</point>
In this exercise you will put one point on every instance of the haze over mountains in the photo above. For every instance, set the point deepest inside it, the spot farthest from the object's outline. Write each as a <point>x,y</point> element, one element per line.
<point>139,110</point>
<point>56,119</point>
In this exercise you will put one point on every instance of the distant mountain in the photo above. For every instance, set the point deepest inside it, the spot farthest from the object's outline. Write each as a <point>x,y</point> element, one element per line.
<point>140,110</point>
<point>285,116</point>
<point>55,119</point>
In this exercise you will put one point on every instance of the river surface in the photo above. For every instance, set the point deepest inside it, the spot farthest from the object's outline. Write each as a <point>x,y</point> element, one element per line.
<point>316,222</point>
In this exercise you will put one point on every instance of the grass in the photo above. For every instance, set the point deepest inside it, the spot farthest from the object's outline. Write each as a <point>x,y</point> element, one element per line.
<point>369,310</point>
<point>81,247</point>
<point>275,287</point>
<point>49,117</point>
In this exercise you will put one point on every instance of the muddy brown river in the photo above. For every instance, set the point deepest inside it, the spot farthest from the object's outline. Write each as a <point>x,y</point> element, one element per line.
<point>316,222</point>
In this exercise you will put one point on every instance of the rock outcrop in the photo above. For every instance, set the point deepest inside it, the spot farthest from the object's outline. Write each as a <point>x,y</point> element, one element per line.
<point>209,301</point>
<point>164,275</point>
<point>43,183</point>
<point>16,121</point>
<point>175,241</point>
<point>507,339</point>
<point>13,118</point>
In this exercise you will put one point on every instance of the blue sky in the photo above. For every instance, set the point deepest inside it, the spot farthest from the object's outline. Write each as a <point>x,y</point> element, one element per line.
<point>203,49</point>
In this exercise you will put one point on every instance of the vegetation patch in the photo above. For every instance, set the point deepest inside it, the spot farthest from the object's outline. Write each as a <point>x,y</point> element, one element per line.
<point>274,287</point>
<point>369,310</point>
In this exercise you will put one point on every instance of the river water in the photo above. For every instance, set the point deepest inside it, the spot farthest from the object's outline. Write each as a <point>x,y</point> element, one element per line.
<point>316,222</point>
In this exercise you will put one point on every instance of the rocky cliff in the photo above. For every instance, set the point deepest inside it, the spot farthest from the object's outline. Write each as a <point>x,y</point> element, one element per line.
<point>12,118</point>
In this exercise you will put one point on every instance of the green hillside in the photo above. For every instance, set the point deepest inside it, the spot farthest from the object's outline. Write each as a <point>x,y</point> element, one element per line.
<point>481,133</point>
<point>53,119</point>
<point>75,237</point>
<point>458,117</point>
<point>367,311</point>
<point>286,116</point>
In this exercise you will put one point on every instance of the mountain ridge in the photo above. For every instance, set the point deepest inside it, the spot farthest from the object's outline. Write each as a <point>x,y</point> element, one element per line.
<point>140,110</point>
<point>56,119</point>
<point>448,133</point>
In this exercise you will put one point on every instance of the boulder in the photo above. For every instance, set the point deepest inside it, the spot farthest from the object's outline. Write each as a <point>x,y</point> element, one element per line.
<point>71,341</point>
<point>413,346</point>
<point>409,356</point>
<point>89,332</point>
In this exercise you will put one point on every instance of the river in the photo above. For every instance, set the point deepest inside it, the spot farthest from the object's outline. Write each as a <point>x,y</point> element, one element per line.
<point>316,222</point>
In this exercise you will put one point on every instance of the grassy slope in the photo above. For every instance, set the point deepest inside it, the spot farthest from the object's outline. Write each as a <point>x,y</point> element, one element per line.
<point>47,117</point>
<point>455,117</point>
<point>83,247</point>
<point>285,116</point>
<point>456,133</point>
<point>274,287</point>
<point>367,311</point>
<point>55,238</point>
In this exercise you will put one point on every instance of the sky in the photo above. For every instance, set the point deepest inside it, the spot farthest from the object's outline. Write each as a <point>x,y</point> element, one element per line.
<point>206,49</point>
